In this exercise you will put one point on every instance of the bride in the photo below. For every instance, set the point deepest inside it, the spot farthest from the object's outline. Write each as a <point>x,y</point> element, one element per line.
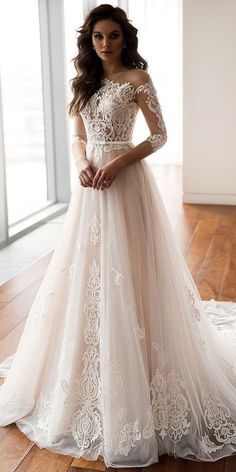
<point>120,358</point>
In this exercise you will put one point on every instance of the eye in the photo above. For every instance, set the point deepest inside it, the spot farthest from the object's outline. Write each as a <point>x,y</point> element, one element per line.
<point>114,35</point>
<point>98,36</point>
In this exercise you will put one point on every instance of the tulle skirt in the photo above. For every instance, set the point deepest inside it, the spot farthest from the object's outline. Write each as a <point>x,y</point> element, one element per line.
<point>119,356</point>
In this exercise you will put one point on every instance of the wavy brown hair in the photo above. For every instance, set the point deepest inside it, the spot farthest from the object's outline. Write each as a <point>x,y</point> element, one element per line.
<point>87,63</point>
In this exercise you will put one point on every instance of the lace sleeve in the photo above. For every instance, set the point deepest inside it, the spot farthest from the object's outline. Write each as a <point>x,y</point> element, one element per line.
<point>147,100</point>
<point>79,136</point>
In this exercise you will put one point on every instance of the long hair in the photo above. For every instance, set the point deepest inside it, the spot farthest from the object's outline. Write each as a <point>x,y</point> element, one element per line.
<point>87,63</point>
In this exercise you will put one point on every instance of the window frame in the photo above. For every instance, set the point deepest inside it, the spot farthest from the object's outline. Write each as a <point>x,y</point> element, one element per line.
<point>57,150</point>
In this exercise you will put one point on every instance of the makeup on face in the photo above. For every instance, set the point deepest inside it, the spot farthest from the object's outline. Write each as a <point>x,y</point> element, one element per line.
<point>107,38</point>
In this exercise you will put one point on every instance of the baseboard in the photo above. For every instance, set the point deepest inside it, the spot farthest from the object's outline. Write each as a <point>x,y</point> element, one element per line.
<point>209,199</point>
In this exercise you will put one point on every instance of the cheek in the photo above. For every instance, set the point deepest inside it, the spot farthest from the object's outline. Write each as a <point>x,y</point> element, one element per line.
<point>119,44</point>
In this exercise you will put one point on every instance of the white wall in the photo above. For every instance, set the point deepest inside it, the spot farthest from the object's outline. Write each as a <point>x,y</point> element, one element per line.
<point>159,24</point>
<point>209,101</point>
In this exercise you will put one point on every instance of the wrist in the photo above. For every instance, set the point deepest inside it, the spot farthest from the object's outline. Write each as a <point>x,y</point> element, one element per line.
<point>81,160</point>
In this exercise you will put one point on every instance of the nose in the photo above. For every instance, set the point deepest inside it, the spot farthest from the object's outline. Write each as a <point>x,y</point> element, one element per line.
<point>106,43</point>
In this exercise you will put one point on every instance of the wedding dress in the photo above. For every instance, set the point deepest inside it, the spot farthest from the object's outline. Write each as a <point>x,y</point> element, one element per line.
<point>120,357</point>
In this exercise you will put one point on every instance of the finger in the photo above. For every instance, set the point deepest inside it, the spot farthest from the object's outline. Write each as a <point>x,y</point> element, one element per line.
<point>94,170</point>
<point>109,182</point>
<point>90,173</point>
<point>103,186</point>
<point>86,179</point>
<point>84,173</point>
<point>83,182</point>
<point>95,180</point>
<point>100,181</point>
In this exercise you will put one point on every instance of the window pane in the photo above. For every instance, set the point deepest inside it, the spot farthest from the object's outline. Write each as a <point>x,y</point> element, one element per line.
<point>73,20</point>
<point>23,117</point>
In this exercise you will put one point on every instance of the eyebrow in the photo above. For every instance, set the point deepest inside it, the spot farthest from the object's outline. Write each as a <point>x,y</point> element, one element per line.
<point>114,31</point>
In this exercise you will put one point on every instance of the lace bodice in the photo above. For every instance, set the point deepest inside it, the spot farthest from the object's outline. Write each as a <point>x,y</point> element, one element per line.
<point>111,112</point>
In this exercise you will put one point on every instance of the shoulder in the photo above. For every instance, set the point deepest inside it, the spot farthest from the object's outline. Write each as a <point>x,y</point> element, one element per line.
<point>138,77</point>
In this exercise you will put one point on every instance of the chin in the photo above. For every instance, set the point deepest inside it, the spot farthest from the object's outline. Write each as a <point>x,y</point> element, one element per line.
<point>110,57</point>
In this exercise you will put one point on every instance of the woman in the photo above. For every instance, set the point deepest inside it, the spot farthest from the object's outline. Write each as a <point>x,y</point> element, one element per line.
<point>118,357</point>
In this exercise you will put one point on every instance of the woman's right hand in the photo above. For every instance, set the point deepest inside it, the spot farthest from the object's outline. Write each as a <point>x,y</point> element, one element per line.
<point>86,172</point>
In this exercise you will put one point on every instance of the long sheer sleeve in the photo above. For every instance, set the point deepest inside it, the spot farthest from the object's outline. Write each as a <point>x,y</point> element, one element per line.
<point>146,97</point>
<point>79,138</point>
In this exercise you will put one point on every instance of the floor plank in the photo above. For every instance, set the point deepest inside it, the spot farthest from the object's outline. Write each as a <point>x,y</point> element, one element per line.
<point>83,464</point>
<point>14,447</point>
<point>199,244</point>
<point>230,464</point>
<point>228,291</point>
<point>16,310</point>
<point>23,279</point>
<point>9,343</point>
<point>192,466</point>
<point>38,460</point>
<point>214,267</point>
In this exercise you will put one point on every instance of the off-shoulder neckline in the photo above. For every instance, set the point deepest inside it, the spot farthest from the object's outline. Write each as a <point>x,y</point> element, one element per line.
<point>118,83</point>
<point>128,82</point>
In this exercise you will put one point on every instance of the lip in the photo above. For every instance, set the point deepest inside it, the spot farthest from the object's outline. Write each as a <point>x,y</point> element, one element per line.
<point>106,52</point>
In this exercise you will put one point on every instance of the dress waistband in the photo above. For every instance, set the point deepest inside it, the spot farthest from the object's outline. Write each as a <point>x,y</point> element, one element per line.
<point>109,142</point>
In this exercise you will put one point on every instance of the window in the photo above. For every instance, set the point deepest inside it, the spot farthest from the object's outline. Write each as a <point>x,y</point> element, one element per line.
<point>34,152</point>
<point>22,109</point>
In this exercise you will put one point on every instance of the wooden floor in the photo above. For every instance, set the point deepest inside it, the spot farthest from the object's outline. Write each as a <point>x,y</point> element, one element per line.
<point>206,234</point>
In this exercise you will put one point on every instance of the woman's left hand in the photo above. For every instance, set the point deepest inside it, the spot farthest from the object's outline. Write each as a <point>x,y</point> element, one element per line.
<point>106,173</point>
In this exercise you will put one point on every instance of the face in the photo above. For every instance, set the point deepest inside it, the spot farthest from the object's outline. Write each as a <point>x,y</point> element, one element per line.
<point>108,40</point>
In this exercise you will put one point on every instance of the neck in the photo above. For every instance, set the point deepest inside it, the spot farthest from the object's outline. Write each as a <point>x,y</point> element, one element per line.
<point>112,68</point>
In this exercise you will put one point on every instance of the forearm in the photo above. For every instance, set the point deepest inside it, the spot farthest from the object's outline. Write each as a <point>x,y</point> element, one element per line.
<point>142,150</point>
<point>79,151</point>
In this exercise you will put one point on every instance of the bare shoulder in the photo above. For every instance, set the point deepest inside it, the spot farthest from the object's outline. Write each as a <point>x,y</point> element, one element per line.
<point>138,76</point>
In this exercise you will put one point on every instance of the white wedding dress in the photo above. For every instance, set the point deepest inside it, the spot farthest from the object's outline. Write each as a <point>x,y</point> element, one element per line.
<point>119,357</point>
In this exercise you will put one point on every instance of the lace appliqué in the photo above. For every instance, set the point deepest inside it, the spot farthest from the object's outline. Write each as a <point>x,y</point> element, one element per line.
<point>152,101</point>
<point>66,352</point>
<point>208,445</point>
<point>170,409</point>
<point>196,317</point>
<point>44,407</point>
<point>110,113</point>
<point>112,382</point>
<point>229,370</point>
<point>118,276</point>
<point>149,429</point>
<point>139,330</point>
<point>117,147</point>
<point>129,435</point>
<point>169,405</point>
<point>77,138</point>
<point>95,230</point>
<point>109,116</point>
<point>86,423</point>
<point>157,140</point>
<point>193,303</point>
<point>216,416</point>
